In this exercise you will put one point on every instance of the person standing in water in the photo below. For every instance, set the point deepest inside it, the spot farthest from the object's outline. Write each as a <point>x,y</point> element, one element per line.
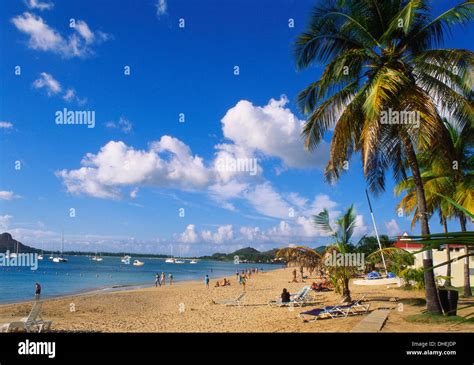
<point>170,278</point>
<point>157,280</point>
<point>163,278</point>
<point>37,291</point>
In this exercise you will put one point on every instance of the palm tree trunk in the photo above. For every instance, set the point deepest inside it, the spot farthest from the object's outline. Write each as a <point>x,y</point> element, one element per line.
<point>448,254</point>
<point>346,293</point>
<point>467,279</point>
<point>432,298</point>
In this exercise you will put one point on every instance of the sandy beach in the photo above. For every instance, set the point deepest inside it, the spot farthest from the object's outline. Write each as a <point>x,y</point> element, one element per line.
<point>190,307</point>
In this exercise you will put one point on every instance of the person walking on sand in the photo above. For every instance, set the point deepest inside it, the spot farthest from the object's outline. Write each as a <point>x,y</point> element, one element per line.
<point>242,281</point>
<point>163,278</point>
<point>37,291</point>
<point>302,274</point>
<point>157,280</point>
<point>170,278</point>
<point>294,276</point>
<point>206,281</point>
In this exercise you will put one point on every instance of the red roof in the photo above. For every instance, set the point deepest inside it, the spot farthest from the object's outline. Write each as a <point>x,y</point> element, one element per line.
<point>405,244</point>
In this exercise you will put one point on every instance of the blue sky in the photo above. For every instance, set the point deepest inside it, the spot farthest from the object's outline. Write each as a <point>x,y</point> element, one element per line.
<point>129,178</point>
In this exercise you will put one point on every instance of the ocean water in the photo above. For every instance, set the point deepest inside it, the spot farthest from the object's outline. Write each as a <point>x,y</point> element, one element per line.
<point>81,274</point>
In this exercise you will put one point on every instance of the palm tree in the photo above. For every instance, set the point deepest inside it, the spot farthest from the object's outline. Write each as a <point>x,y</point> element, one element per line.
<point>453,177</point>
<point>342,235</point>
<point>381,56</point>
<point>463,180</point>
<point>434,185</point>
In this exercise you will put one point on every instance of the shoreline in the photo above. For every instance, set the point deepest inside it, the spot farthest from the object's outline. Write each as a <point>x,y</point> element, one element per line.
<point>131,286</point>
<point>188,306</point>
<point>98,291</point>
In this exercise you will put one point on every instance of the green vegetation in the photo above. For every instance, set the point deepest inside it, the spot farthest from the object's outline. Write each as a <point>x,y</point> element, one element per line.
<point>381,56</point>
<point>414,278</point>
<point>248,254</point>
<point>437,318</point>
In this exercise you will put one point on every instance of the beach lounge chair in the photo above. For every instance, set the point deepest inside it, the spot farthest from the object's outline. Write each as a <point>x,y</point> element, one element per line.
<point>356,307</point>
<point>298,299</point>
<point>236,301</point>
<point>32,323</point>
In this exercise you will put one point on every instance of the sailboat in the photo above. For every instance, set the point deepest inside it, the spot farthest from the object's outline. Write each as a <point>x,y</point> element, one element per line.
<point>97,258</point>
<point>171,260</point>
<point>126,259</point>
<point>41,255</point>
<point>379,279</point>
<point>14,254</point>
<point>179,261</point>
<point>60,258</point>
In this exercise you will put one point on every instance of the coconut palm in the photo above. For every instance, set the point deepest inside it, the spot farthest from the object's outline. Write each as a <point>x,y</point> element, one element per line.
<point>463,179</point>
<point>433,185</point>
<point>342,235</point>
<point>382,56</point>
<point>452,176</point>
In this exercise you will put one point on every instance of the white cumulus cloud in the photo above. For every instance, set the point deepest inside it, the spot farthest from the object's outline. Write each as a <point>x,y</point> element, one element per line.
<point>42,37</point>
<point>8,195</point>
<point>161,7</point>
<point>167,163</point>
<point>272,130</point>
<point>48,82</point>
<point>6,125</point>
<point>40,5</point>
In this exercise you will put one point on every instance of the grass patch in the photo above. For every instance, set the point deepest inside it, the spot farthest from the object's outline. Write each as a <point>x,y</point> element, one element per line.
<point>437,318</point>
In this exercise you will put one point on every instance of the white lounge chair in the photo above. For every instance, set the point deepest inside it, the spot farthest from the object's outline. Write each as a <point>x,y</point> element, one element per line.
<point>356,307</point>
<point>300,298</point>
<point>32,323</point>
<point>236,301</point>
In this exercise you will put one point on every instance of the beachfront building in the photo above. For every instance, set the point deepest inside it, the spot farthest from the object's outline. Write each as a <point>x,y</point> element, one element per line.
<point>439,256</point>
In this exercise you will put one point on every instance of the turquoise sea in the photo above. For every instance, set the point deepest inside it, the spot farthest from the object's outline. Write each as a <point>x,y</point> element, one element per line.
<point>81,274</point>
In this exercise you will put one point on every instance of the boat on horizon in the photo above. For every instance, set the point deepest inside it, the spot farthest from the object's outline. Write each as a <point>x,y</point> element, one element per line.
<point>60,258</point>
<point>41,255</point>
<point>125,259</point>
<point>13,255</point>
<point>193,261</point>
<point>171,259</point>
<point>138,263</point>
<point>96,257</point>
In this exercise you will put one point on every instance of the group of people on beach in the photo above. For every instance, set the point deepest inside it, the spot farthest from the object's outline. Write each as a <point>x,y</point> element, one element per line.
<point>322,285</point>
<point>160,279</point>
<point>225,282</point>
<point>241,277</point>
